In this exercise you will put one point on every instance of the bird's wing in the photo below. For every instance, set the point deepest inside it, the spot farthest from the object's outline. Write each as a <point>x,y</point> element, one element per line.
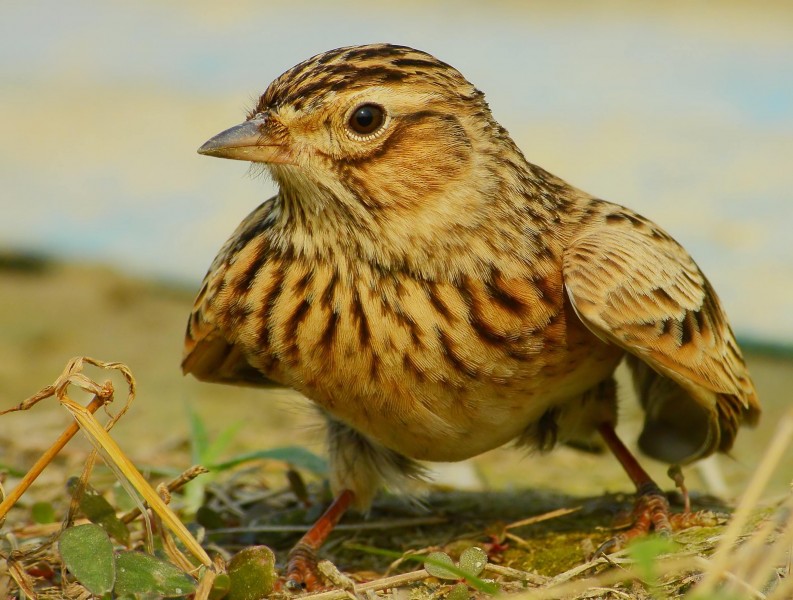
<point>634,286</point>
<point>210,353</point>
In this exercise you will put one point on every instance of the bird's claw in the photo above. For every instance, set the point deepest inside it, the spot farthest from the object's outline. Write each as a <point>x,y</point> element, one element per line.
<point>610,545</point>
<point>302,574</point>
<point>651,512</point>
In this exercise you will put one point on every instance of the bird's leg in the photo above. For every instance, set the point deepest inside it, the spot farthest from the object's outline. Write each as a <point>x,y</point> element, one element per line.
<point>651,510</point>
<point>301,570</point>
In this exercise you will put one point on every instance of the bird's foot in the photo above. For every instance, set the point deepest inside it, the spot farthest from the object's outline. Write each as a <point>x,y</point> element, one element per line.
<point>302,574</point>
<point>651,513</point>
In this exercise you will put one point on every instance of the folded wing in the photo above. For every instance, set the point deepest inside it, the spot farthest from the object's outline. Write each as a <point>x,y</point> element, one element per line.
<point>634,286</point>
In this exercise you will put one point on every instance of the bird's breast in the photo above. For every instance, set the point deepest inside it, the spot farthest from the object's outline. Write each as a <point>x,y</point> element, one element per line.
<point>436,370</point>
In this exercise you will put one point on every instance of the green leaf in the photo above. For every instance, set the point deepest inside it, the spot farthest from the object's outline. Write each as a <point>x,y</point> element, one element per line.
<point>296,456</point>
<point>87,552</point>
<point>645,553</point>
<point>220,587</point>
<point>473,560</point>
<point>138,573</point>
<point>42,512</point>
<point>122,499</point>
<point>481,585</point>
<point>252,573</point>
<point>209,518</point>
<point>458,592</point>
<point>100,511</point>
<point>435,563</point>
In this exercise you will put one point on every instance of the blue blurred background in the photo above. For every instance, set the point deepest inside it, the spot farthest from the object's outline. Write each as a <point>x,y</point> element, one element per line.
<point>683,111</point>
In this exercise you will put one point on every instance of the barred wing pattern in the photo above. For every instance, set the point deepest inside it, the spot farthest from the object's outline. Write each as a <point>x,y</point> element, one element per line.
<point>208,354</point>
<point>634,286</point>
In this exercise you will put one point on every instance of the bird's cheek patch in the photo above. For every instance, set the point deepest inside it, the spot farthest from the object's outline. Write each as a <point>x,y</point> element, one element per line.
<point>416,162</point>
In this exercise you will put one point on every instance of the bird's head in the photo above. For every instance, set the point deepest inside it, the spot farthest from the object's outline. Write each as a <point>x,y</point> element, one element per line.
<point>372,131</point>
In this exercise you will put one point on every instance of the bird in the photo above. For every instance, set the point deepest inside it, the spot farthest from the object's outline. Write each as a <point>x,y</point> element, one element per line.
<point>436,295</point>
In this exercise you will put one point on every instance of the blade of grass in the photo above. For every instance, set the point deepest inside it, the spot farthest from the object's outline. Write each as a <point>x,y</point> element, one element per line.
<point>199,438</point>
<point>217,446</point>
<point>294,455</point>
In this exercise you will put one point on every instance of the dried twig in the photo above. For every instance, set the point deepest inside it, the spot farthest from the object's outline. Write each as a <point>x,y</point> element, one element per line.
<point>173,485</point>
<point>511,573</point>
<point>385,583</point>
<point>554,514</point>
<point>46,458</point>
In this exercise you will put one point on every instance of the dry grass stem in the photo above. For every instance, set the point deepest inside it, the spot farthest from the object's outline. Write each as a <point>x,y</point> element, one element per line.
<point>45,459</point>
<point>756,571</point>
<point>103,395</point>
<point>783,591</point>
<point>613,560</point>
<point>509,572</point>
<point>22,579</point>
<point>331,574</point>
<point>609,591</point>
<point>779,443</point>
<point>119,462</point>
<point>39,530</point>
<point>554,514</point>
<point>606,579</point>
<point>205,583</point>
<point>74,504</point>
<point>385,583</point>
<point>225,500</point>
<point>746,586</point>
<point>171,486</point>
<point>104,444</point>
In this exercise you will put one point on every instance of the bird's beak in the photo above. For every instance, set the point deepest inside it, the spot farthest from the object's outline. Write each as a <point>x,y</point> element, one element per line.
<point>250,141</point>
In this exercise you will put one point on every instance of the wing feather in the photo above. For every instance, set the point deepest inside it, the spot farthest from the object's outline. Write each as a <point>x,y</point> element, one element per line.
<point>210,353</point>
<point>633,285</point>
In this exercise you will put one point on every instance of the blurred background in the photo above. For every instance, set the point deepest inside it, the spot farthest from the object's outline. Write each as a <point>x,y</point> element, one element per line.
<point>682,111</point>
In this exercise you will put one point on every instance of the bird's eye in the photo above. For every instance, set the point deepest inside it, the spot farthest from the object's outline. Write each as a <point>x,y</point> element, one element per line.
<point>367,119</point>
